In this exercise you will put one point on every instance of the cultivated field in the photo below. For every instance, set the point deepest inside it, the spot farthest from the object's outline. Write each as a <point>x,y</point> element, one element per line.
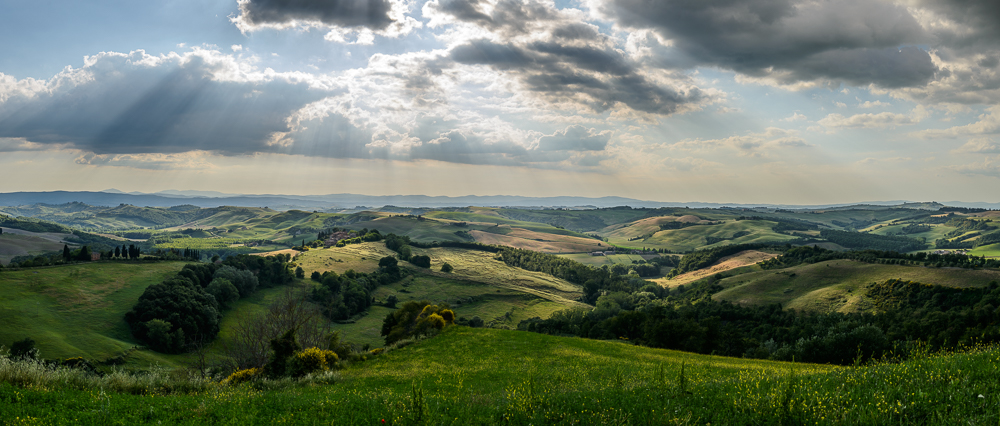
<point>728,263</point>
<point>15,242</point>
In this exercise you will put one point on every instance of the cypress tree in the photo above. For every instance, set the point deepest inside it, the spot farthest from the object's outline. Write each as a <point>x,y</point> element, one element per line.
<point>65,252</point>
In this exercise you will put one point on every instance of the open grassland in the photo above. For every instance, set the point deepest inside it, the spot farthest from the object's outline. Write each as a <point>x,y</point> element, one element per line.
<point>77,310</point>
<point>837,284</point>
<point>696,236</point>
<point>538,241</point>
<point>587,259</point>
<point>359,257</point>
<point>484,377</point>
<point>479,285</point>
<point>424,229</point>
<point>992,250</point>
<point>478,266</point>
<point>739,260</point>
<point>24,243</point>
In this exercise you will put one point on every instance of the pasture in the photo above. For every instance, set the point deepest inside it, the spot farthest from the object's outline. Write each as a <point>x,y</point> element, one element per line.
<point>837,285</point>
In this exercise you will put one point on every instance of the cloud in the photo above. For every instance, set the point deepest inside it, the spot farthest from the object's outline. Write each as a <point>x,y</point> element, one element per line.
<point>989,123</point>
<point>979,146</point>
<point>867,121</point>
<point>137,103</point>
<point>556,57</point>
<point>795,117</point>
<point>575,138</point>
<point>855,41</point>
<point>989,166</point>
<point>343,17</point>
<point>771,140</point>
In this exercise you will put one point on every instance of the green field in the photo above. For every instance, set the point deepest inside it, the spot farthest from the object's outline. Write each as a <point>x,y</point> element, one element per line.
<point>992,250</point>
<point>694,237</point>
<point>587,259</point>
<point>77,310</point>
<point>481,376</point>
<point>837,284</point>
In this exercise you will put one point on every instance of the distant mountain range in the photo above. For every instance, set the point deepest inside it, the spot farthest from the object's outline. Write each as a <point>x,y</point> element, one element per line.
<point>112,197</point>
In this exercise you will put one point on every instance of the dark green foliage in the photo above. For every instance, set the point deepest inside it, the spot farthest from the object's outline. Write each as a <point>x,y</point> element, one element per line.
<point>908,313</point>
<point>244,280</point>
<point>343,296</point>
<point>868,241</point>
<point>414,319</point>
<point>446,267</point>
<point>173,315</point>
<point>282,348</point>
<point>65,252</point>
<point>271,271</point>
<point>84,254</point>
<point>315,276</point>
<point>421,261</point>
<point>24,349</point>
<point>299,272</point>
<point>391,301</point>
<point>812,254</point>
<point>224,291</point>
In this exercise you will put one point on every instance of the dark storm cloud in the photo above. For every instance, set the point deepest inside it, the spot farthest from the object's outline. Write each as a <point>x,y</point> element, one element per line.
<point>567,61</point>
<point>176,106</point>
<point>559,73</point>
<point>979,21</point>
<point>857,41</point>
<point>343,13</point>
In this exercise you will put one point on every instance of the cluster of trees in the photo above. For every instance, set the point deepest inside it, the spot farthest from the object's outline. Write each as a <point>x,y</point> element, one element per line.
<point>868,241</point>
<point>184,311</point>
<point>594,280</point>
<point>415,319</point>
<point>812,254</point>
<point>341,296</point>
<point>909,314</point>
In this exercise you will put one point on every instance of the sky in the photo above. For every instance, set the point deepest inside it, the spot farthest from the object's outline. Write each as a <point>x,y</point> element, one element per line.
<point>739,101</point>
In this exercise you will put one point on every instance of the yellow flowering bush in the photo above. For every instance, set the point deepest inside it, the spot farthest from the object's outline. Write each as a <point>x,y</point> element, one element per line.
<point>311,360</point>
<point>242,376</point>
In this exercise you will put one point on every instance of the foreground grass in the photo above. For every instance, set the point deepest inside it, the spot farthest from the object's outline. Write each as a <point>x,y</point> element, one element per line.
<point>476,376</point>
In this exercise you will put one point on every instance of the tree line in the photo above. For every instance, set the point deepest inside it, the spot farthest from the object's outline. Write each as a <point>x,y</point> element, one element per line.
<point>184,311</point>
<point>909,316</point>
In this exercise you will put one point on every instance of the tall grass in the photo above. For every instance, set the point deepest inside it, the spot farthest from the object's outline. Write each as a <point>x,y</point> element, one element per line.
<point>474,376</point>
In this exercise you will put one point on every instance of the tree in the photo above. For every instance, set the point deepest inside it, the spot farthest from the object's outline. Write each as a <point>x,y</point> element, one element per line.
<point>224,292</point>
<point>300,273</point>
<point>446,268</point>
<point>84,254</point>
<point>24,349</point>
<point>421,261</point>
<point>118,251</point>
<point>66,254</point>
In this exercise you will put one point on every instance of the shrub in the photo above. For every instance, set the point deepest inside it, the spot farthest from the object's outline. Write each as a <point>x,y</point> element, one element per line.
<point>243,376</point>
<point>283,348</point>
<point>448,315</point>
<point>24,349</point>
<point>421,261</point>
<point>311,360</point>
<point>446,268</point>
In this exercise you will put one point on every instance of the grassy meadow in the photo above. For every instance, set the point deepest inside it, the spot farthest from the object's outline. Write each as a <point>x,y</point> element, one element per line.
<point>77,310</point>
<point>837,284</point>
<point>483,377</point>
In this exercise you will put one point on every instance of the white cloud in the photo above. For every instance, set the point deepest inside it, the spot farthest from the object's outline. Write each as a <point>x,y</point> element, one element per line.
<point>867,121</point>
<point>795,117</point>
